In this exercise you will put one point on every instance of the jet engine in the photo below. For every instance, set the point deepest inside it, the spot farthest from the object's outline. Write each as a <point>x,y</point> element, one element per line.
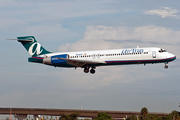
<point>54,59</point>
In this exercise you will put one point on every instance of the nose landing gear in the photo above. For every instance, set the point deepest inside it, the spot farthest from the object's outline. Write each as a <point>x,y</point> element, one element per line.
<point>166,66</point>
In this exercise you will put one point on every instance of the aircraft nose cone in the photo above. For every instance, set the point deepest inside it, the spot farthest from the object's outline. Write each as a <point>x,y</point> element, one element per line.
<point>173,57</point>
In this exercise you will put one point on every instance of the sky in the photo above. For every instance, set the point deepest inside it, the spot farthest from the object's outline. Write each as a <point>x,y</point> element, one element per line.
<point>76,25</point>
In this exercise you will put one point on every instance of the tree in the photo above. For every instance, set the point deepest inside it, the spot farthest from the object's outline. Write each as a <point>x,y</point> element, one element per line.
<point>103,116</point>
<point>166,117</point>
<point>144,111</point>
<point>133,117</point>
<point>175,114</point>
<point>72,116</point>
<point>152,117</point>
<point>64,117</point>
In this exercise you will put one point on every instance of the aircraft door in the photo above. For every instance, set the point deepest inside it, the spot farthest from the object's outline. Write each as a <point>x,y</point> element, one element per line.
<point>154,54</point>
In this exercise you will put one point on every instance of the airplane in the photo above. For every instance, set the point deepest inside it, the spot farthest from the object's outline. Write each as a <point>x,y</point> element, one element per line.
<point>92,59</point>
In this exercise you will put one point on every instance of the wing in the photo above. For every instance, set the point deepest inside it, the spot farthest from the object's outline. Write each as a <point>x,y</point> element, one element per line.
<point>80,63</point>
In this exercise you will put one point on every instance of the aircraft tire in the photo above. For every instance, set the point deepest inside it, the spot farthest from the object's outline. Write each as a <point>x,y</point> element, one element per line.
<point>92,71</point>
<point>86,70</point>
<point>166,66</point>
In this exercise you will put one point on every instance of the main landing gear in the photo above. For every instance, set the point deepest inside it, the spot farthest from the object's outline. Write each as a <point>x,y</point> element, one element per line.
<point>92,71</point>
<point>86,69</point>
<point>166,66</point>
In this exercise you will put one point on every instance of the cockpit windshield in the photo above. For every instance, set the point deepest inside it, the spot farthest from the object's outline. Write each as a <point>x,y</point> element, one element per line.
<point>162,50</point>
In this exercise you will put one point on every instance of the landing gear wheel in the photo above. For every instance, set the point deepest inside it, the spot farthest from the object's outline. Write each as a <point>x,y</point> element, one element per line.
<point>166,66</point>
<point>92,71</point>
<point>86,70</point>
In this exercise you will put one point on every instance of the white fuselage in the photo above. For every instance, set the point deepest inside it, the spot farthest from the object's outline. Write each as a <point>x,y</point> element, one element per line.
<point>119,56</point>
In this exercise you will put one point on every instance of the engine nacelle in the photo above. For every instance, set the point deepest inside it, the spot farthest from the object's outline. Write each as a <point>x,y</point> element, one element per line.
<point>55,60</point>
<point>47,60</point>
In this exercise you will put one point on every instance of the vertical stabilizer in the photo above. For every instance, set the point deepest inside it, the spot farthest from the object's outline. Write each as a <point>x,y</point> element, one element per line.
<point>32,46</point>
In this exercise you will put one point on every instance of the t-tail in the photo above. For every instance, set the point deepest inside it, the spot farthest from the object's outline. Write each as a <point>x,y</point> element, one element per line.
<point>32,46</point>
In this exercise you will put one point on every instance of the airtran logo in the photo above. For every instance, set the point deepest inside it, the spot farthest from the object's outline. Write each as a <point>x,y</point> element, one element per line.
<point>35,48</point>
<point>132,51</point>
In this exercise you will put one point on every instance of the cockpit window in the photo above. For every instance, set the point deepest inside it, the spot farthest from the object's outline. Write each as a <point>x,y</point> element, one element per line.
<point>162,50</point>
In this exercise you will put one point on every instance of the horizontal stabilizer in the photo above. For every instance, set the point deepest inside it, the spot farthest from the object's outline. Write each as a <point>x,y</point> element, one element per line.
<point>21,40</point>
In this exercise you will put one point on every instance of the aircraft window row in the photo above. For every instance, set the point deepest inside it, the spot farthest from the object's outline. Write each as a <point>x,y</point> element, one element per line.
<point>80,56</point>
<point>99,55</point>
<point>145,52</point>
<point>126,54</point>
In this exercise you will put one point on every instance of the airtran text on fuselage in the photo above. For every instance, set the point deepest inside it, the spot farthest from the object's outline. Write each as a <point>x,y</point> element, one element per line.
<point>132,51</point>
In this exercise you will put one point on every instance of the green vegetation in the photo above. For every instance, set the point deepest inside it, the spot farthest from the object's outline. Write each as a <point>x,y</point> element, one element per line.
<point>174,115</point>
<point>144,111</point>
<point>166,117</point>
<point>152,117</point>
<point>103,116</point>
<point>133,117</point>
<point>69,117</point>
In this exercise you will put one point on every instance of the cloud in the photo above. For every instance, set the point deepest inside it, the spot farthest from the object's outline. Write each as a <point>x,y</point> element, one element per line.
<point>164,12</point>
<point>7,3</point>
<point>55,9</point>
<point>8,24</point>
